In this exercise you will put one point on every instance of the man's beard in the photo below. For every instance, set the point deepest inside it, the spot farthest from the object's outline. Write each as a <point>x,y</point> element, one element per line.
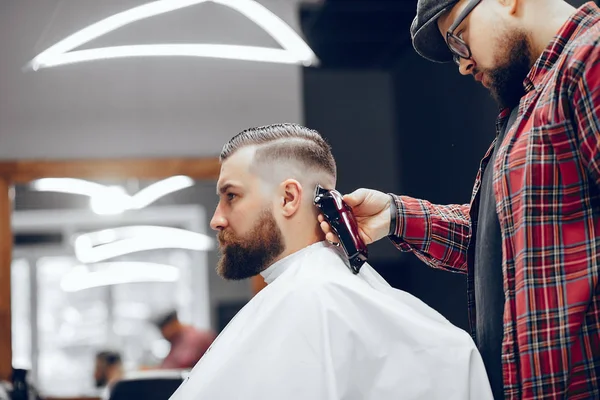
<point>506,81</point>
<point>244,257</point>
<point>101,382</point>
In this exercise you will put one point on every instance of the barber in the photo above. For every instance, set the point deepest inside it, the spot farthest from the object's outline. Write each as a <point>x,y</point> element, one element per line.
<point>529,240</point>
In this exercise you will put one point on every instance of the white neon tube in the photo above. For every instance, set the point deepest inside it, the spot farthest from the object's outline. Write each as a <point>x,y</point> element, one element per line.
<point>295,50</point>
<point>114,273</point>
<point>231,52</point>
<point>159,189</point>
<point>93,247</point>
<point>105,200</point>
<point>68,185</point>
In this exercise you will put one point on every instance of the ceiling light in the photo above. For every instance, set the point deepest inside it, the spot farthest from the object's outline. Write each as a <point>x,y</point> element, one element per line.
<point>294,48</point>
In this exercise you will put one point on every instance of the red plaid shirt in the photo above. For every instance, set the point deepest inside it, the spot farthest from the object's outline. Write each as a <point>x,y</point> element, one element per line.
<point>547,188</point>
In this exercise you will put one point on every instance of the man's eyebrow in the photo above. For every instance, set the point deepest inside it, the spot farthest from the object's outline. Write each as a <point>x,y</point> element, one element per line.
<point>224,188</point>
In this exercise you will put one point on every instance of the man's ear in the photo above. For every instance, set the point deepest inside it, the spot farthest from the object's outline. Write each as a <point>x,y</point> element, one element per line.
<point>291,197</point>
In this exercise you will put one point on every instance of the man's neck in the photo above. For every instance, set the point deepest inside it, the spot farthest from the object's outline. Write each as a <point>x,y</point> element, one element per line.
<point>546,22</point>
<point>300,237</point>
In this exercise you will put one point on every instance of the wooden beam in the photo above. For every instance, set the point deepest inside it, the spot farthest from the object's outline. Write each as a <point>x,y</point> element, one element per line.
<point>24,171</point>
<point>5,263</point>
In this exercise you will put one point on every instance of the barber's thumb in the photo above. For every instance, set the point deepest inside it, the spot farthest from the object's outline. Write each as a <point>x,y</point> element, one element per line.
<point>355,198</point>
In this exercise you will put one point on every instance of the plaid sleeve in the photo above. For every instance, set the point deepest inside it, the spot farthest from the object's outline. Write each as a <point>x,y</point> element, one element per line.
<point>438,235</point>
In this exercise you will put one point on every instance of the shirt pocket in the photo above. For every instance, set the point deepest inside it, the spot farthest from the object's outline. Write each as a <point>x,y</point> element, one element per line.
<point>557,177</point>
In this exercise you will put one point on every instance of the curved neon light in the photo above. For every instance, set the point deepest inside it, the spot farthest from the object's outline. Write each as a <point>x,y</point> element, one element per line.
<point>102,245</point>
<point>294,49</point>
<point>106,200</point>
<point>115,273</point>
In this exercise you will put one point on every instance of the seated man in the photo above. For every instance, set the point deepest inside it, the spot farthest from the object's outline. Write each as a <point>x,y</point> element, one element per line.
<point>108,371</point>
<point>317,331</point>
<point>188,343</point>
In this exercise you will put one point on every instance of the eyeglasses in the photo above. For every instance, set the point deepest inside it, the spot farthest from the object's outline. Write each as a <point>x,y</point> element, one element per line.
<point>457,46</point>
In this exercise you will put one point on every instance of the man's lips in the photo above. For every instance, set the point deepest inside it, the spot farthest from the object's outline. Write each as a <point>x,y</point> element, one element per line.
<point>481,77</point>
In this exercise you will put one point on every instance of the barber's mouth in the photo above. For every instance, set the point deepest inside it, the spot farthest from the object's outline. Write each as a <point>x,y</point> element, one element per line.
<point>481,77</point>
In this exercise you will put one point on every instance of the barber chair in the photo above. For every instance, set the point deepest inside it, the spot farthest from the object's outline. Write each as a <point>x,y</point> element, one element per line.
<point>148,385</point>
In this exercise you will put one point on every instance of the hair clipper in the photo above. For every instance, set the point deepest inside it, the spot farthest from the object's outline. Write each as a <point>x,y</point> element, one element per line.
<point>341,219</point>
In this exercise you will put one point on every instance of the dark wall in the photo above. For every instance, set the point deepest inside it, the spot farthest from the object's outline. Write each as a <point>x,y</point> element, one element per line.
<point>579,3</point>
<point>445,124</point>
<point>355,112</point>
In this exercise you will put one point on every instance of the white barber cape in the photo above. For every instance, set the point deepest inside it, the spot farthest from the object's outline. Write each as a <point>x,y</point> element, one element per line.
<point>319,332</point>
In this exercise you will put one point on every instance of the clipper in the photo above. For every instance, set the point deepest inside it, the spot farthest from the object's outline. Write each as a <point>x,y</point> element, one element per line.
<point>341,219</point>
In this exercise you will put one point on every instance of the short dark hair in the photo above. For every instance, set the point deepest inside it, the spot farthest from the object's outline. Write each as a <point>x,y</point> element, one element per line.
<point>109,357</point>
<point>284,142</point>
<point>164,319</point>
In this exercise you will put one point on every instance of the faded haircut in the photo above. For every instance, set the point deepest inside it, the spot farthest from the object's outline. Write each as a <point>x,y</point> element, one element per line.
<point>284,143</point>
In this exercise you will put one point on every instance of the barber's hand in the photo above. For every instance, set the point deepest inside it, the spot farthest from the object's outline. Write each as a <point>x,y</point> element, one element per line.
<point>372,211</point>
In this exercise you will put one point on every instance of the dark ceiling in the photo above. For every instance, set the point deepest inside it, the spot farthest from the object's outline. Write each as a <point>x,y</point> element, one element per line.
<point>358,33</point>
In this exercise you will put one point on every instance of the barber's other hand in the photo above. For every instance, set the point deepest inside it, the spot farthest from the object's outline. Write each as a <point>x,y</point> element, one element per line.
<point>372,211</point>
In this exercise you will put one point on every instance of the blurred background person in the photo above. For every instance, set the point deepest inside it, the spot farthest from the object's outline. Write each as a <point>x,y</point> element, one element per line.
<point>108,371</point>
<point>188,343</point>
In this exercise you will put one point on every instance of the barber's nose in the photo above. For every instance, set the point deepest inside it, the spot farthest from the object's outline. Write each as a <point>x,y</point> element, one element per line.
<point>218,221</point>
<point>466,66</point>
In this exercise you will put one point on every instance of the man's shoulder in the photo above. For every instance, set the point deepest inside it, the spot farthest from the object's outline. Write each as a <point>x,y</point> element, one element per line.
<point>320,279</point>
<point>329,281</point>
<point>583,52</point>
<point>324,272</point>
<point>323,277</point>
<point>585,41</point>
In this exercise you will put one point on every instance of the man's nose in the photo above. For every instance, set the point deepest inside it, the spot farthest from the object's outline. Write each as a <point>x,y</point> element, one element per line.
<point>466,66</point>
<point>218,221</point>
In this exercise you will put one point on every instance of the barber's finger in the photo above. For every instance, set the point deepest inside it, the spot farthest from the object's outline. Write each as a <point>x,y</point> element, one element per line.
<point>321,217</point>
<point>325,227</point>
<point>355,198</point>
<point>332,238</point>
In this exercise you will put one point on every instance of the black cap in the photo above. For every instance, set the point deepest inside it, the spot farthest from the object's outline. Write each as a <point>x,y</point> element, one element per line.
<point>426,37</point>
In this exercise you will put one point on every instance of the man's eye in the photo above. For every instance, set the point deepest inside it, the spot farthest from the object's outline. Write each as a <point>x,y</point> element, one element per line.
<point>230,196</point>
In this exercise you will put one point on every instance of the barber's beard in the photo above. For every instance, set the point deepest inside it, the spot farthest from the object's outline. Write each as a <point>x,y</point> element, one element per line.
<point>247,256</point>
<point>506,81</point>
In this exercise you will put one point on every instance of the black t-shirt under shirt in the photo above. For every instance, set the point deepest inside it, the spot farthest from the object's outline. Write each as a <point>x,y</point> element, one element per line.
<point>489,290</point>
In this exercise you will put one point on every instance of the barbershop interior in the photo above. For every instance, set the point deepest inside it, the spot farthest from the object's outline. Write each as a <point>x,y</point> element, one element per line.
<point>113,115</point>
